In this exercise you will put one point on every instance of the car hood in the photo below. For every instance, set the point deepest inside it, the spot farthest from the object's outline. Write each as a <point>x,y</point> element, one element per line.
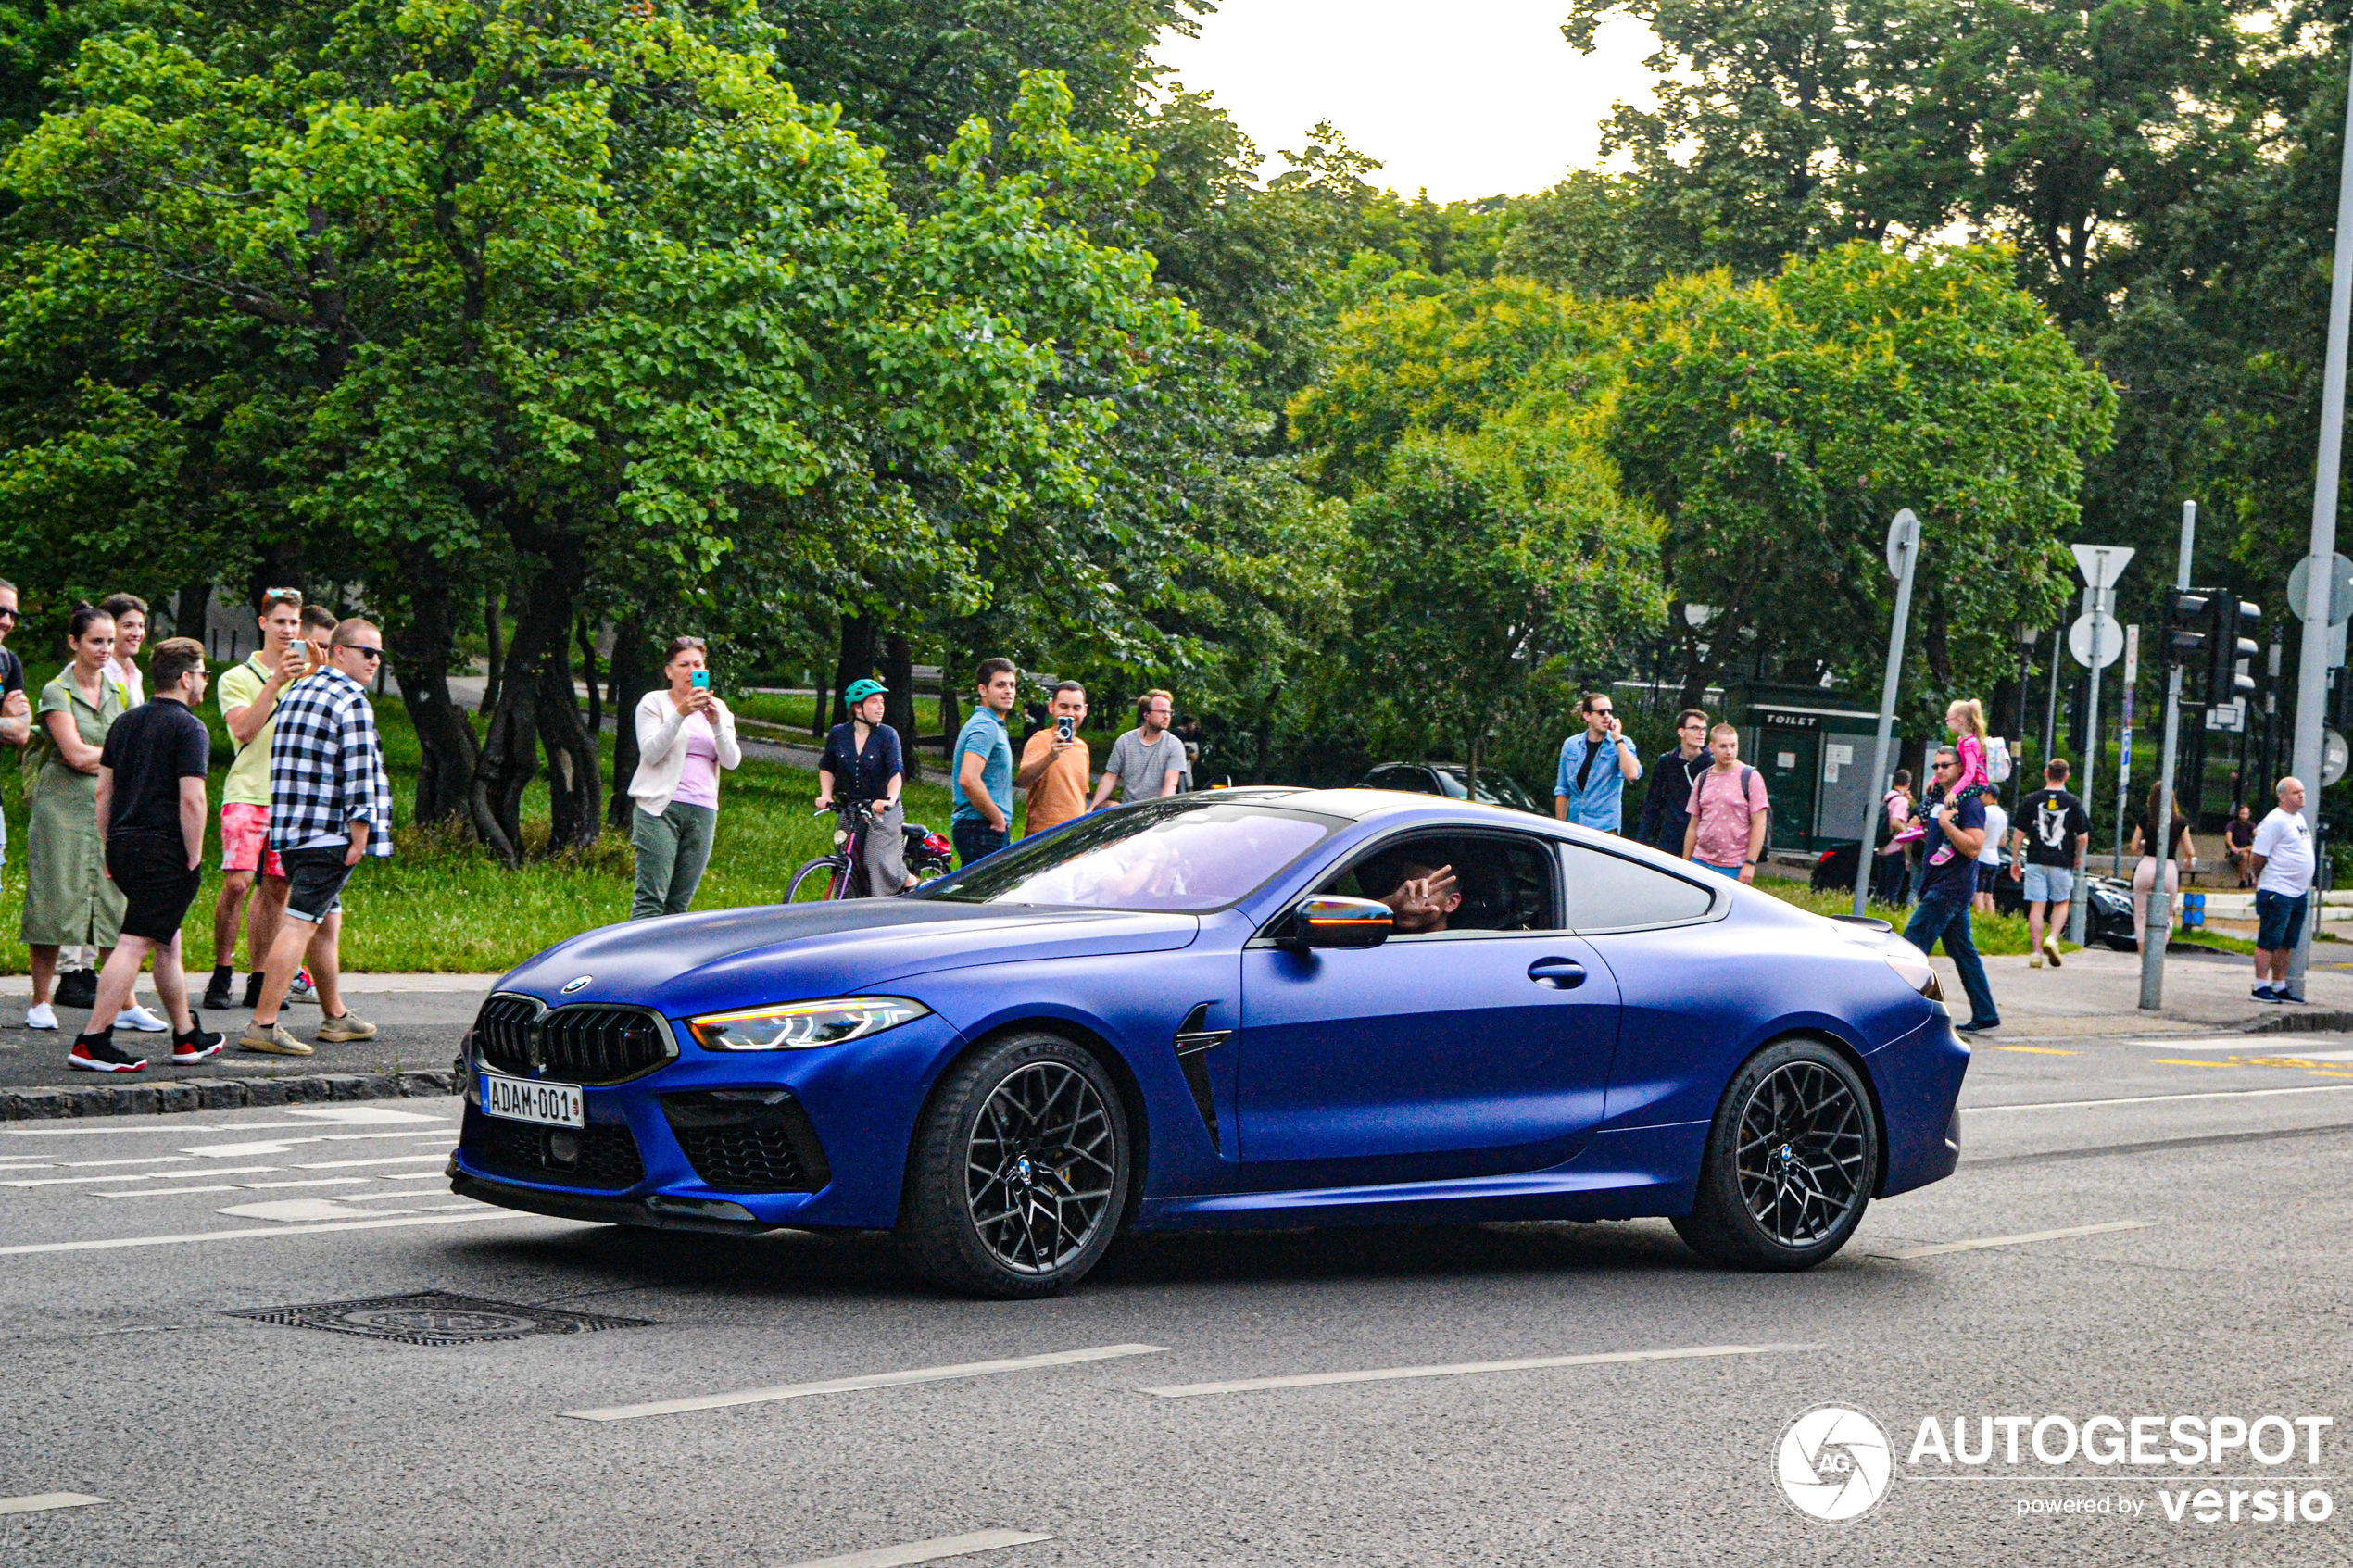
<point>684,964</point>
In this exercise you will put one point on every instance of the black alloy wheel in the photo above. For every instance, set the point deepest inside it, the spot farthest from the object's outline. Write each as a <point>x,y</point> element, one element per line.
<point>1791,1162</point>
<point>1019,1171</point>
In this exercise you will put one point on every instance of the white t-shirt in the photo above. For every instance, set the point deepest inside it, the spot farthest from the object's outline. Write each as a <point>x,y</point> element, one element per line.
<point>1998,829</point>
<point>2285,843</point>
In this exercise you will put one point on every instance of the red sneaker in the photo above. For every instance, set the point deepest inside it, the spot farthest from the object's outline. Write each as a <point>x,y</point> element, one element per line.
<point>100,1054</point>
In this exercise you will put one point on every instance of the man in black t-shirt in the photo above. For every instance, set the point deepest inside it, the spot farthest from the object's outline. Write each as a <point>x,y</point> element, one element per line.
<point>2046,850</point>
<point>152,813</point>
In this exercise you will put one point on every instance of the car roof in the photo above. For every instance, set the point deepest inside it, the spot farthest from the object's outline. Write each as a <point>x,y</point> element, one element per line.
<point>1359,804</point>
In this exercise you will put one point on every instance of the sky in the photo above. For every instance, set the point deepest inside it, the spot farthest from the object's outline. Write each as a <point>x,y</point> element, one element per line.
<point>1474,98</point>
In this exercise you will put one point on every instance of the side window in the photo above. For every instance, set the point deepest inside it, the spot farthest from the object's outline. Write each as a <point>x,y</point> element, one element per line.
<point>1505,882</point>
<point>1611,893</point>
<point>1395,778</point>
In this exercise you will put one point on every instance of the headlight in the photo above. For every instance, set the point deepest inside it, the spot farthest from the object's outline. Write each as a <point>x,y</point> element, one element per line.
<point>1918,972</point>
<point>799,1026</point>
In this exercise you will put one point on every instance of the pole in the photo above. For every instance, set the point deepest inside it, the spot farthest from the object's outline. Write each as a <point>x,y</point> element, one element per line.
<point>2025,695</point>
<point>2094,608</point>
<point>1903,544</point>
<point>2050,704</point>
<point>2321,579</point>
<point>2157,835</point>
<point>2124,746</point>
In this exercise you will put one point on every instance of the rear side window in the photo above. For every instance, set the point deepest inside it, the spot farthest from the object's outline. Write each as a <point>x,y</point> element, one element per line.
<point>1610,893</point>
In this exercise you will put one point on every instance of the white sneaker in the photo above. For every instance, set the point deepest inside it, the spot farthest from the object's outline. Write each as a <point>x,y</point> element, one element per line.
<point>40,1017</point>
<point>301,990</point>
<point>145,1023</point>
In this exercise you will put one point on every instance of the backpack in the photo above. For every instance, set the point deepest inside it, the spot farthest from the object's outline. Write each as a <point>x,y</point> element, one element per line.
<point>1998,765</point>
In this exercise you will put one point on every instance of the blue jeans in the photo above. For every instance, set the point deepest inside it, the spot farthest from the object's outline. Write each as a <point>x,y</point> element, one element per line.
<point>1944,914</point>
<point>974,840</point>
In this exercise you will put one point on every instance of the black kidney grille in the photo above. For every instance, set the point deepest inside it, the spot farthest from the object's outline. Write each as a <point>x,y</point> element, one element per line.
<point>601,1155</point>
<point>748,1140</point>
<point>590,1044</point>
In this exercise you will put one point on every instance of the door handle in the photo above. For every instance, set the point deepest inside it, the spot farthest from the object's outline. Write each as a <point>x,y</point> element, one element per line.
<point>1561,975</point>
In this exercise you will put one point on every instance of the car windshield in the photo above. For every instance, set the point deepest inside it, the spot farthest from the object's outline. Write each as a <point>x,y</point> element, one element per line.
<point>1188,854</point>
<point>1495,789</point>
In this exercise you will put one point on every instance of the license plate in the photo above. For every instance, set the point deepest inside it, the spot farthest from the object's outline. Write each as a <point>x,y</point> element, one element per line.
<point>548,1105</point>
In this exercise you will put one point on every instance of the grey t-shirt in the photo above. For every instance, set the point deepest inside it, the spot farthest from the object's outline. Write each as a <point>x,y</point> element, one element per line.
<point>1143,769</point>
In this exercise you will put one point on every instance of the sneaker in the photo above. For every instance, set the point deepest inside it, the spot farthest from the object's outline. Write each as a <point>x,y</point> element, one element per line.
<point>350,1026</point>
<point>2284,995</point>
<point>79,989</point>
<point>216,996</point>
<point>42,1016</point>
<point>1979,1026</point>
<point>96,1053</point>
<point>272,1041</point>
<point>2050,950</point>
<point>198,1044</point>
<point>2265,994</point>
<point>2035,959</point>
<point>302,990</point>
<point>143,1021</point>
<point>253,990</point>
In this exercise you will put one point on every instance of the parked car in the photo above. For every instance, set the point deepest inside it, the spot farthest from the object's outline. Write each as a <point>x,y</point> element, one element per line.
<point>1196,1014</point>
<point>1453,781</point>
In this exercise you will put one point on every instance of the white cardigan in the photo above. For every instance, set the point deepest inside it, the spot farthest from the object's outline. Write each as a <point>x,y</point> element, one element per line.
<point>662,748</point>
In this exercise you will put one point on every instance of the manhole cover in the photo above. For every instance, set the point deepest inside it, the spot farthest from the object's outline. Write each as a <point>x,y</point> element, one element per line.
<point>435,1317</point>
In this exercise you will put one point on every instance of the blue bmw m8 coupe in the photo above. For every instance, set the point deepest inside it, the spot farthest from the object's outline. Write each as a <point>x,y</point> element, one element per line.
<point>1251,1006</point>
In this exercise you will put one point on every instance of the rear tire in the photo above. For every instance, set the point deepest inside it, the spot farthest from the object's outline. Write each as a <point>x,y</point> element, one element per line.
<point>1019,1171</point>
<point>1792,1158</point>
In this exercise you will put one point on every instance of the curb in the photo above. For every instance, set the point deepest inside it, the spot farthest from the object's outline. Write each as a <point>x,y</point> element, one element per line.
<point>2332,1022</point>
<point>218,1094</point>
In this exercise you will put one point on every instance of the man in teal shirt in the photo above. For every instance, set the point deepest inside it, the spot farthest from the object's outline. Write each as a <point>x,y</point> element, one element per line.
<point>983,788</point>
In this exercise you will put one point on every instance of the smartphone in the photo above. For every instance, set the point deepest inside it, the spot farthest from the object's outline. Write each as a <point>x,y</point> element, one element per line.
<point>702,680</point>
<point>1064,725</point>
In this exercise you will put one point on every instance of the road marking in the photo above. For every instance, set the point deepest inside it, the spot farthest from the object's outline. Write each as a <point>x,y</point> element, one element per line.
<point>150,1159</point>
<point>265,1230</point>
<point>144,1177</point>
<point>36,1501</point>
<point>2036,1050</point>
<point>245,1151</point>
<point>925,1551</point>
<point>362,1115</point>
<point>855,1385</point>
<point>1461,1369</point>
<point>373,1197</point>
<point>307,1181</point>
<point>2154,1100</point>
<point>175,1126</point>
<point>164,1192</point>
<point>398,1177</point>
<point>348,1164</point>
<point>291,1209</point>
<point>1911,1252</point>
<point>2097,1152</point>
<point>2188,1061</point>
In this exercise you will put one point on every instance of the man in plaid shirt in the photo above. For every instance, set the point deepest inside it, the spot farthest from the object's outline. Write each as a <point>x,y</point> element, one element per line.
<point>330,805</point>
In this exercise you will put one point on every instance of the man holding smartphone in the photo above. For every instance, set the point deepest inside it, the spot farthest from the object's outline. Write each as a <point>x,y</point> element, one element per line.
<point>1054,763</point>
<point>1597,763</point>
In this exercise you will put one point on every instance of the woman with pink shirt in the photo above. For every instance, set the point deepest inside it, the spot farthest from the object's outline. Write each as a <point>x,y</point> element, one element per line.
<point>685,736</point>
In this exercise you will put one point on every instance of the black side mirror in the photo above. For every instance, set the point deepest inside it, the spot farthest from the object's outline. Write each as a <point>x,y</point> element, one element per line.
<point>1326,921</point>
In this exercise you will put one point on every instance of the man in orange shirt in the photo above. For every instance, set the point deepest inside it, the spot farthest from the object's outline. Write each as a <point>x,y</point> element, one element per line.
<point>1054,763</point>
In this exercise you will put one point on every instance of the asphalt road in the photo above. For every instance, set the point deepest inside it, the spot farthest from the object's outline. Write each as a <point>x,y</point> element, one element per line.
<point>213,1439</point>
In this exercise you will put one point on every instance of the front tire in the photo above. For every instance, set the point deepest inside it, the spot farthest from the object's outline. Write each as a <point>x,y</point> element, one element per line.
<point>1019,1171</point>
<point>1792,1158</point>
<point>814,883</point>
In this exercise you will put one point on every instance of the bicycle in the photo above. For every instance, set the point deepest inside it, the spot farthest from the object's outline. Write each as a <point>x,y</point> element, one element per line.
<point>929,857</point>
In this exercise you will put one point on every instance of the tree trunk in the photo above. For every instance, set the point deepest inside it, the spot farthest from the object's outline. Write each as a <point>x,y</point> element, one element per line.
<point>497,659</point>
<point>575,778</point>
<point>856,663</point>
<point>425,644</point>
<point>188,612</point>
<point>509,757</point>
<point>587,640</point>
<point>1474,765</point>
<point>632,678</point>
<point>1266,731</point>
<point>952,707</point>
<point>898,708</point>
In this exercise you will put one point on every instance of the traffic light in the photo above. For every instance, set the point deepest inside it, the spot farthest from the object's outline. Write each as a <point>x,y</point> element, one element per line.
<point>2228,617</point>
<point>2187,620</point>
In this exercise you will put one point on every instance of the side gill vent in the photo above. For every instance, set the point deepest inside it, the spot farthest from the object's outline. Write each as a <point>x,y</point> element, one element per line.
<point>1192,1041</point>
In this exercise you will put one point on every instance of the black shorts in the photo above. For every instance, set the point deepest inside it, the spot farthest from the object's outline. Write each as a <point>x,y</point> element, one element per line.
<point>314,883</point>
<point>151,871</point>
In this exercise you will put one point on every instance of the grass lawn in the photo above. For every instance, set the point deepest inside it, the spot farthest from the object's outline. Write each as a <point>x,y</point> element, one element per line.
<point>1994,934</point>
<point>442,903</point>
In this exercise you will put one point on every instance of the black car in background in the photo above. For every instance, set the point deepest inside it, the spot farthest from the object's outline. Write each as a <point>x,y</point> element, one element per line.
<point>1453,781</point>
<point>2108,914</point>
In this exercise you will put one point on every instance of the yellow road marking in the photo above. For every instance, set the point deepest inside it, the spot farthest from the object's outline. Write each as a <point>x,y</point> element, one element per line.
<point>2035,1050</point>
<point>2188,1061</point>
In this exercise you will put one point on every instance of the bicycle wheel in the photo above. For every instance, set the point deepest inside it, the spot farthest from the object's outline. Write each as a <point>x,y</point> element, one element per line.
<point>814,882</point>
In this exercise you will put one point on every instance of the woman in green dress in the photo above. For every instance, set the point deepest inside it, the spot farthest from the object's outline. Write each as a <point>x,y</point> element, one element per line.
<point>68,898</point>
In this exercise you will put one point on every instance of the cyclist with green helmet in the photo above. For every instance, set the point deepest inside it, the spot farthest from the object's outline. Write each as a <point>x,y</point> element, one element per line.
<point>862,761</point>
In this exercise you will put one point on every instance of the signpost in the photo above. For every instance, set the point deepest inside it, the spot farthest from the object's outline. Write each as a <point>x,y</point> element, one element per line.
<point>2156,836</point>
<point>2093,637</point>
<point>1903,555</point>
<point>2124,748</point>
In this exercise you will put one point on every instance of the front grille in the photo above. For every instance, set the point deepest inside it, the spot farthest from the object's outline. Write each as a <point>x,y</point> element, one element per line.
<point>600,1155</point>
<point>748,1140</point>
<point>593,1043</point>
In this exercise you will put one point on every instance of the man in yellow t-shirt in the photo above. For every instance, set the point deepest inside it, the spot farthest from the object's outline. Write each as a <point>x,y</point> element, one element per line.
<point>1054,769</point>
<point>249,698</point>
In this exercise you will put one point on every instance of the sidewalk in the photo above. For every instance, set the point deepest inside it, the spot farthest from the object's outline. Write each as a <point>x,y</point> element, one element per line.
<point>2098,992</point>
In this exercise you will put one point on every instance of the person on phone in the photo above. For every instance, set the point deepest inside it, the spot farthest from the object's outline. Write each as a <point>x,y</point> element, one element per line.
<point>253,880</point>
<point>863,761</point>
<point>1055,762</point>
<point>1597,763</point>
<point>684,737</point>
<point>329,808</point>
<point>151,815</point>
